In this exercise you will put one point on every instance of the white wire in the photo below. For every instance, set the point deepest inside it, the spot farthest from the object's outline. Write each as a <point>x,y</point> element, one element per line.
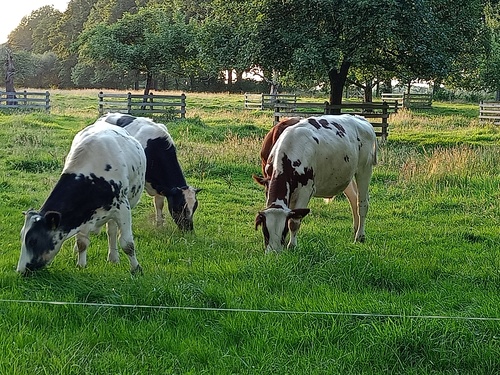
<point>259,311</point>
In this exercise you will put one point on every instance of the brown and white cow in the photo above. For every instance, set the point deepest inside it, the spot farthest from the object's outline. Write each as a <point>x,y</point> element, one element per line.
<point>164,177</point>
<point>102,180</point>
<point>351,192</point>
<point>318,156</point>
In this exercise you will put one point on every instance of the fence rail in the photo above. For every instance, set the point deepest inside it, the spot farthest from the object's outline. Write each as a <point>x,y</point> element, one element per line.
<point>489,111</point>
<point>25,100</point>
<point>138,104</point>
<point>376,113</point>
<point>267,101</point>
<point>417,101</point>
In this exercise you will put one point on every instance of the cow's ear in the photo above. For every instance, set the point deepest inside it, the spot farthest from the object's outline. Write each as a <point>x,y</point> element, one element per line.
<point>298,213</point>
<point>53,219</point>
<point>260,180</point>
<point>259,219</point>
<point>197,190</point>
<point>30,212</point>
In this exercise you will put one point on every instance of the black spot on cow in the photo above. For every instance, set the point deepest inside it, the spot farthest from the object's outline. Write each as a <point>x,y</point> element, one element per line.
<point>314,123</point>
<point>346,159</point>
<point>124,120</point>
<point>107,168</point>
<point>324,123</point>
<point>77,197</point>
<point>340,129</point>
<point>297,163</point>
<point>316,140</point>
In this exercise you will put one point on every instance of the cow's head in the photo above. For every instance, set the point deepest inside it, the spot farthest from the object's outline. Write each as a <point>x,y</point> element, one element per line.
<point>40,240</point>
<point>276,223</point>
<point>182,204</point>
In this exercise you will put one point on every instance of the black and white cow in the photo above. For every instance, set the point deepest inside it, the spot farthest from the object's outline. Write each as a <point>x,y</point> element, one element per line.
<point>318,156</point>
<point>164,177</point>
<point>102,180</point>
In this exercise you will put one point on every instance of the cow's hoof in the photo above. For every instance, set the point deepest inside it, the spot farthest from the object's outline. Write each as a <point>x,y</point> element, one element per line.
<point>137,270</point>
<point>360,239</point>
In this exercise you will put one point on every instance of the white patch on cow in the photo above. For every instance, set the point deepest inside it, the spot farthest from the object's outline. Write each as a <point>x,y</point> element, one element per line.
<point>276,220</point>
<point>190,197</point>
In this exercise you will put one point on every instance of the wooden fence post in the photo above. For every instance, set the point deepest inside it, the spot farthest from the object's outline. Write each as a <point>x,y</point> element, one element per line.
<point>129,103</point>
<point>47,101</point>
<point>183,105</point>
<point>151,107</point>
<point>101,103</point>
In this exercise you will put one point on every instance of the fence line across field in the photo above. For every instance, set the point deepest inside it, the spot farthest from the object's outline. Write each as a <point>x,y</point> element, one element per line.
<point>139,104</point>
<point>25,100</point>
<point>257,311</point>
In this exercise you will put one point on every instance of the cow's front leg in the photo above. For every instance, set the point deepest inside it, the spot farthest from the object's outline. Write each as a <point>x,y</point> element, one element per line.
<point>112,232</point>
<point>127,240</point>
<point>159,201</point>
<point>81,245</point>
<point>293,227</point>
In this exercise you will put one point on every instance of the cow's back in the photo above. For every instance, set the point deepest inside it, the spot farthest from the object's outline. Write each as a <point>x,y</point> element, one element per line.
<point>110,153</point>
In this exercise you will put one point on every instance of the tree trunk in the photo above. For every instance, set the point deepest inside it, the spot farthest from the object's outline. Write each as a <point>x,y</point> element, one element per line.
<point>149,83</point>
<point>337,82</point>
<point>368,91</point>
<point>230,79</point>
<point>10,71</point>
<point>275,86</point>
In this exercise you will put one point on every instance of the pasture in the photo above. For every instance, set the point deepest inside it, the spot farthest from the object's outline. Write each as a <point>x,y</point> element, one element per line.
<point>420,296</point>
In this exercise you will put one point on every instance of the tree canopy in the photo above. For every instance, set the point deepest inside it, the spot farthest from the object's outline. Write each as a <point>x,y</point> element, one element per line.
<point>300,43</point>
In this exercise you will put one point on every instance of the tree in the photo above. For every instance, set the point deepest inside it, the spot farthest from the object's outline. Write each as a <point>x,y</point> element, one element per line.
<point>31,34</point>
<point>489,69</point>
<point>326,39</point>
<point>151,41</point>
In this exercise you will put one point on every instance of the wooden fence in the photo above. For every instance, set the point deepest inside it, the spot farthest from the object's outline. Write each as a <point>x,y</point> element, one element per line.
<point>417,101</point>
<point>411,100</point>
<point>138,104</point>
<point>25,100</point>
<point>489,111</point>
<point>376,113</point>
<point>267,101</point>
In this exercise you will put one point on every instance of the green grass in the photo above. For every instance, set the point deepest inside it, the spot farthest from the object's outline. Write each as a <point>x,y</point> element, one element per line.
<point>432,250</point>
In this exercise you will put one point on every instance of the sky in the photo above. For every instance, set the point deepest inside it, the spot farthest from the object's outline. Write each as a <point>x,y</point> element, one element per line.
<point>12,14</point>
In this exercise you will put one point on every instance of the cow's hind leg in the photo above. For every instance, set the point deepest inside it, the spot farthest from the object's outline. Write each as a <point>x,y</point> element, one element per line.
<point>362,181</point>
<point>159,202</point>
<point>351,192</point>
<point>112,232</point>
<point>127,239</point>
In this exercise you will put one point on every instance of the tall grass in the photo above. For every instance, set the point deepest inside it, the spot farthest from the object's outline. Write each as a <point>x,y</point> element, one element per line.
<point>432,251</point>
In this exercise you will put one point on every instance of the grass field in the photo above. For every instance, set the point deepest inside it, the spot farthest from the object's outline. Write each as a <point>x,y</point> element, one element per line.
<point>421,296</point>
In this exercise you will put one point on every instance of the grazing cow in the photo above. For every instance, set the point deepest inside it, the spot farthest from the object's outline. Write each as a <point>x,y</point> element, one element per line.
<point>318,156</point>
<point>351,192</point>
<point>164,177</point>
<point>102,179</point>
